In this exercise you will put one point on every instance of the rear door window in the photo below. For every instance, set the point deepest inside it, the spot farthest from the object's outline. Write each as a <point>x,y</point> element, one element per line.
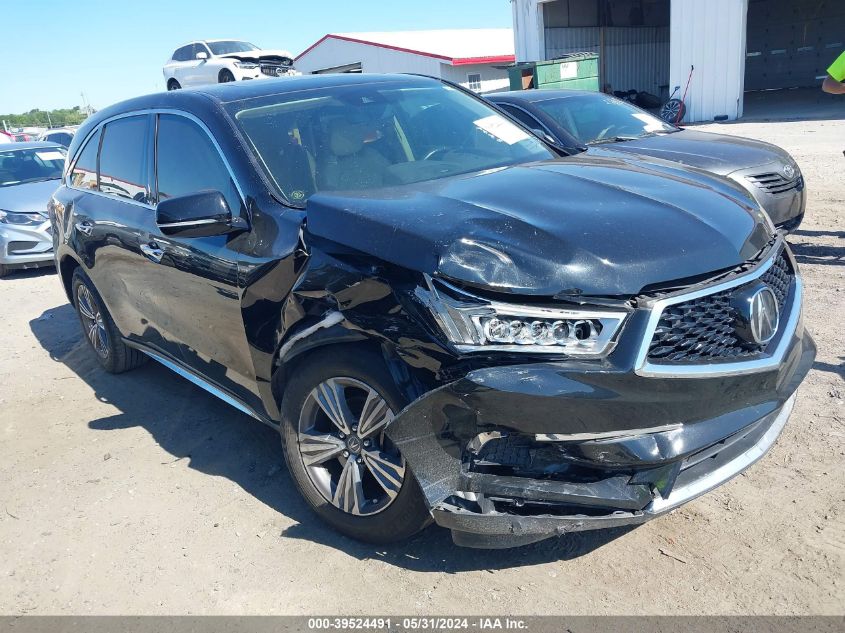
<point>189,162</point>
<point>84,173</point>
<point>125,158</point>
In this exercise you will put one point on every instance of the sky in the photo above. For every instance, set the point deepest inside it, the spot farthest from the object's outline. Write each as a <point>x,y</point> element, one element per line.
<point>52,51</point>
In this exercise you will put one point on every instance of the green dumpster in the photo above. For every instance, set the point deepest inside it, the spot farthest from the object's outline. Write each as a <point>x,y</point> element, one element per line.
<point>576,71</point>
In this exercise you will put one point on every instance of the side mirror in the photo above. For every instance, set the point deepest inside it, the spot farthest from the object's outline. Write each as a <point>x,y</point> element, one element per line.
<point>200,214</point>
<point>202,55</point>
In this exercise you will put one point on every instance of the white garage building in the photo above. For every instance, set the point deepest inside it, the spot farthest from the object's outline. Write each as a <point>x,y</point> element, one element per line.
<point>474,58</point>
<point>734,45</point>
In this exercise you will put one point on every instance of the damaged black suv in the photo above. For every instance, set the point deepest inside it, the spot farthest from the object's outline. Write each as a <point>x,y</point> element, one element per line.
<point>445,317</point>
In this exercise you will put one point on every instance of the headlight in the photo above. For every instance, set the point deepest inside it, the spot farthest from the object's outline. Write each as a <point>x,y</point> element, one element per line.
<point>246,65</point>
<point>25,219</point>
<point>474,325</point>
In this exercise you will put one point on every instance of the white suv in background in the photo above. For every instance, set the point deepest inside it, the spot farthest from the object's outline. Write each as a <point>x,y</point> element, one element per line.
<point>218,61</point>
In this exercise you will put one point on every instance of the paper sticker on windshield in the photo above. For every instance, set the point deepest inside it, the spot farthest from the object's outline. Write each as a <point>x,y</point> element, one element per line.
<point>52,155</point>
<point>651,124</point>
<point>500,128</point>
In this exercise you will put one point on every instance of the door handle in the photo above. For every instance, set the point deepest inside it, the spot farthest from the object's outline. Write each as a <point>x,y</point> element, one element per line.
<point>153,251</point>
<point>84,227</point>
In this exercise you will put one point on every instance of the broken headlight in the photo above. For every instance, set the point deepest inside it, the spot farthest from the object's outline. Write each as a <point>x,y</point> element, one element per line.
<point>473,324</point>
<point>246,65</point>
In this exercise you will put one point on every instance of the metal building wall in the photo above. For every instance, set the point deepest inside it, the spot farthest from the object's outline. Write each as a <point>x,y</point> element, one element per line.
<point>711,36</point>
<point>634,57</point>
<point>792,42</point>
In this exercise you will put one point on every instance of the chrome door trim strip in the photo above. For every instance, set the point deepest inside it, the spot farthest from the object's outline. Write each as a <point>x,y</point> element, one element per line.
<point>200,382</point>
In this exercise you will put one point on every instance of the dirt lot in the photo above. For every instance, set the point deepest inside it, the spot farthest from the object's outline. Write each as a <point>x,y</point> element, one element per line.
<point>142,494</point>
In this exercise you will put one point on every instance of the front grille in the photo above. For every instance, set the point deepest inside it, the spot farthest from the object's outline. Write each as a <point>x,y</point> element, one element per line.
<point>271,70</point>
<point>19,247</point>
<point>705,328</point>
<point>776,183</point>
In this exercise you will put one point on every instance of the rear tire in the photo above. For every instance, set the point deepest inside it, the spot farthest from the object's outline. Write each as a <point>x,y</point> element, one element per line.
<point>99,329</point>
<point>173,85</point>
<point>375,511</point>
<point>225,76</point>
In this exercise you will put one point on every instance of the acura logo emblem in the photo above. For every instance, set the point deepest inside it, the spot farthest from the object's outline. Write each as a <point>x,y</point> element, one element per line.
<point>758,314</point>
<point>764,316</point>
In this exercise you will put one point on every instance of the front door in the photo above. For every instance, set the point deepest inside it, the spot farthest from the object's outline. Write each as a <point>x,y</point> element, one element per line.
<point>205,295</point>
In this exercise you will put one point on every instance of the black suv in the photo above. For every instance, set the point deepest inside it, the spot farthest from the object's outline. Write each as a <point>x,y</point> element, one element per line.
<point>444,317</point>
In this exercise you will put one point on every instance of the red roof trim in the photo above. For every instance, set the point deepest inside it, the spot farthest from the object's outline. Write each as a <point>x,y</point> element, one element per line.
<point>460,61</point>
<point>495,59</point>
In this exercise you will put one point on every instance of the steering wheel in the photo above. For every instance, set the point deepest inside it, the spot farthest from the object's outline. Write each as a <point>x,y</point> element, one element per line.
<point>605,131</point>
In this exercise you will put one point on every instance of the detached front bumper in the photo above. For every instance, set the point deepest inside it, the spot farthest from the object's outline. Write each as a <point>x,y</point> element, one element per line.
<point>512,454</point>
<point>500,529</point>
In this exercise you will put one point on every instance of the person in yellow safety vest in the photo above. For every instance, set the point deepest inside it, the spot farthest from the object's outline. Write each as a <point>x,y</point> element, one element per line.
<point>834,83</point>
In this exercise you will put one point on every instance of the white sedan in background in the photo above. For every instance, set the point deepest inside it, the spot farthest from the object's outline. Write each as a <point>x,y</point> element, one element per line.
<point>219,61</point>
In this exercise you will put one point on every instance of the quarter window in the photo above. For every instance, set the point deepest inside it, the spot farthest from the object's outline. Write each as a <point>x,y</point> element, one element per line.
<point>189,162</point>
<point>124,158</point>
<point>523,117</point>
<point>84,174</point>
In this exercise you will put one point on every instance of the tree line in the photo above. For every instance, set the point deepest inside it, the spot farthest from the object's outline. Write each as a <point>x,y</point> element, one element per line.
<point>60,117</point>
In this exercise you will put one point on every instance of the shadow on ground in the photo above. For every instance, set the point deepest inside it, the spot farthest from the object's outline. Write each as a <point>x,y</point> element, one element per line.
<point>218,440</point>
<point>813,253</point>
<point>29,273</point>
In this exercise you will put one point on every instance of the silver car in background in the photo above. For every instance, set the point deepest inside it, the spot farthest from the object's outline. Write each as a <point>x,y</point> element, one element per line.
<point>29,174</point>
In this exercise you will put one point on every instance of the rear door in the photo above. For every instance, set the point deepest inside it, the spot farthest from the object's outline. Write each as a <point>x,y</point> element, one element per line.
<point>117,223</point>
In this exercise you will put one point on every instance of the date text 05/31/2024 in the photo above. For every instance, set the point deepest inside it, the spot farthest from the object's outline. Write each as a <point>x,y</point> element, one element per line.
<point>417,624</point>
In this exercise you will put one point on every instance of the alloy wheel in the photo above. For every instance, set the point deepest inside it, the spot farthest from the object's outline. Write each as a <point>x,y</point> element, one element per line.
<point>92,321</point>
<point>344,449</point>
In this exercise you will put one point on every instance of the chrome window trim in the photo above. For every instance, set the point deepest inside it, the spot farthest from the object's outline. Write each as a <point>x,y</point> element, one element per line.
<point>174,225</point>
<point>642,366</point>
<point>147,111</point>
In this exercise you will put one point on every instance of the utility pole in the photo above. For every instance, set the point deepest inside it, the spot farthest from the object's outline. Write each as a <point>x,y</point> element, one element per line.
<point>49,121</point>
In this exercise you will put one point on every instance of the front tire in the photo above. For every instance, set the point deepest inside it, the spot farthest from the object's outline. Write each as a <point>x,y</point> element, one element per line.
<point>334,410</point>
<point>4,270</point>
<point>225,76</point>
<point>173,85</point>
<point>99,329</point>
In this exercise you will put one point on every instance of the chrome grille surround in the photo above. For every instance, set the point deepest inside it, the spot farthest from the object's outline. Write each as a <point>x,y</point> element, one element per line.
<point>769,271</point>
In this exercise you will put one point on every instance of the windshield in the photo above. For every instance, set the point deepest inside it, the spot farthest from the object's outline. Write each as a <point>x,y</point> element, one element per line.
<point>231,46</point>
<point>592,118</point>
<point>367,136</point>
<point>30,165</point>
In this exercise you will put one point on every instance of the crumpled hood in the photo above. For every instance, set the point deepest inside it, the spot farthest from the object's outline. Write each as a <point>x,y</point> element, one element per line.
<point>277,56</point>
<point>716,153</point>
<point>595,224</point>
<point>29,197</point>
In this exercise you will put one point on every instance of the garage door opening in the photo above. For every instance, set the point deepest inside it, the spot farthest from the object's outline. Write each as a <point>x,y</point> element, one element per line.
<point>789,45</point>
<point>631,38</point>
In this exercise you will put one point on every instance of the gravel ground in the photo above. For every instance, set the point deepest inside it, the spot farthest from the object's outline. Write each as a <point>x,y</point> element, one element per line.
<point>140,494</point>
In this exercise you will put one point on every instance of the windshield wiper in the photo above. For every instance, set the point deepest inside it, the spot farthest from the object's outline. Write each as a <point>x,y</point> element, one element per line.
<point>616,139</point>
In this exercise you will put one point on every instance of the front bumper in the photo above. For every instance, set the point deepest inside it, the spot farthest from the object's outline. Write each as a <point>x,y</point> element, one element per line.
<point>25,246</point>
<point>512,454</point>
<point>498,529</point>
